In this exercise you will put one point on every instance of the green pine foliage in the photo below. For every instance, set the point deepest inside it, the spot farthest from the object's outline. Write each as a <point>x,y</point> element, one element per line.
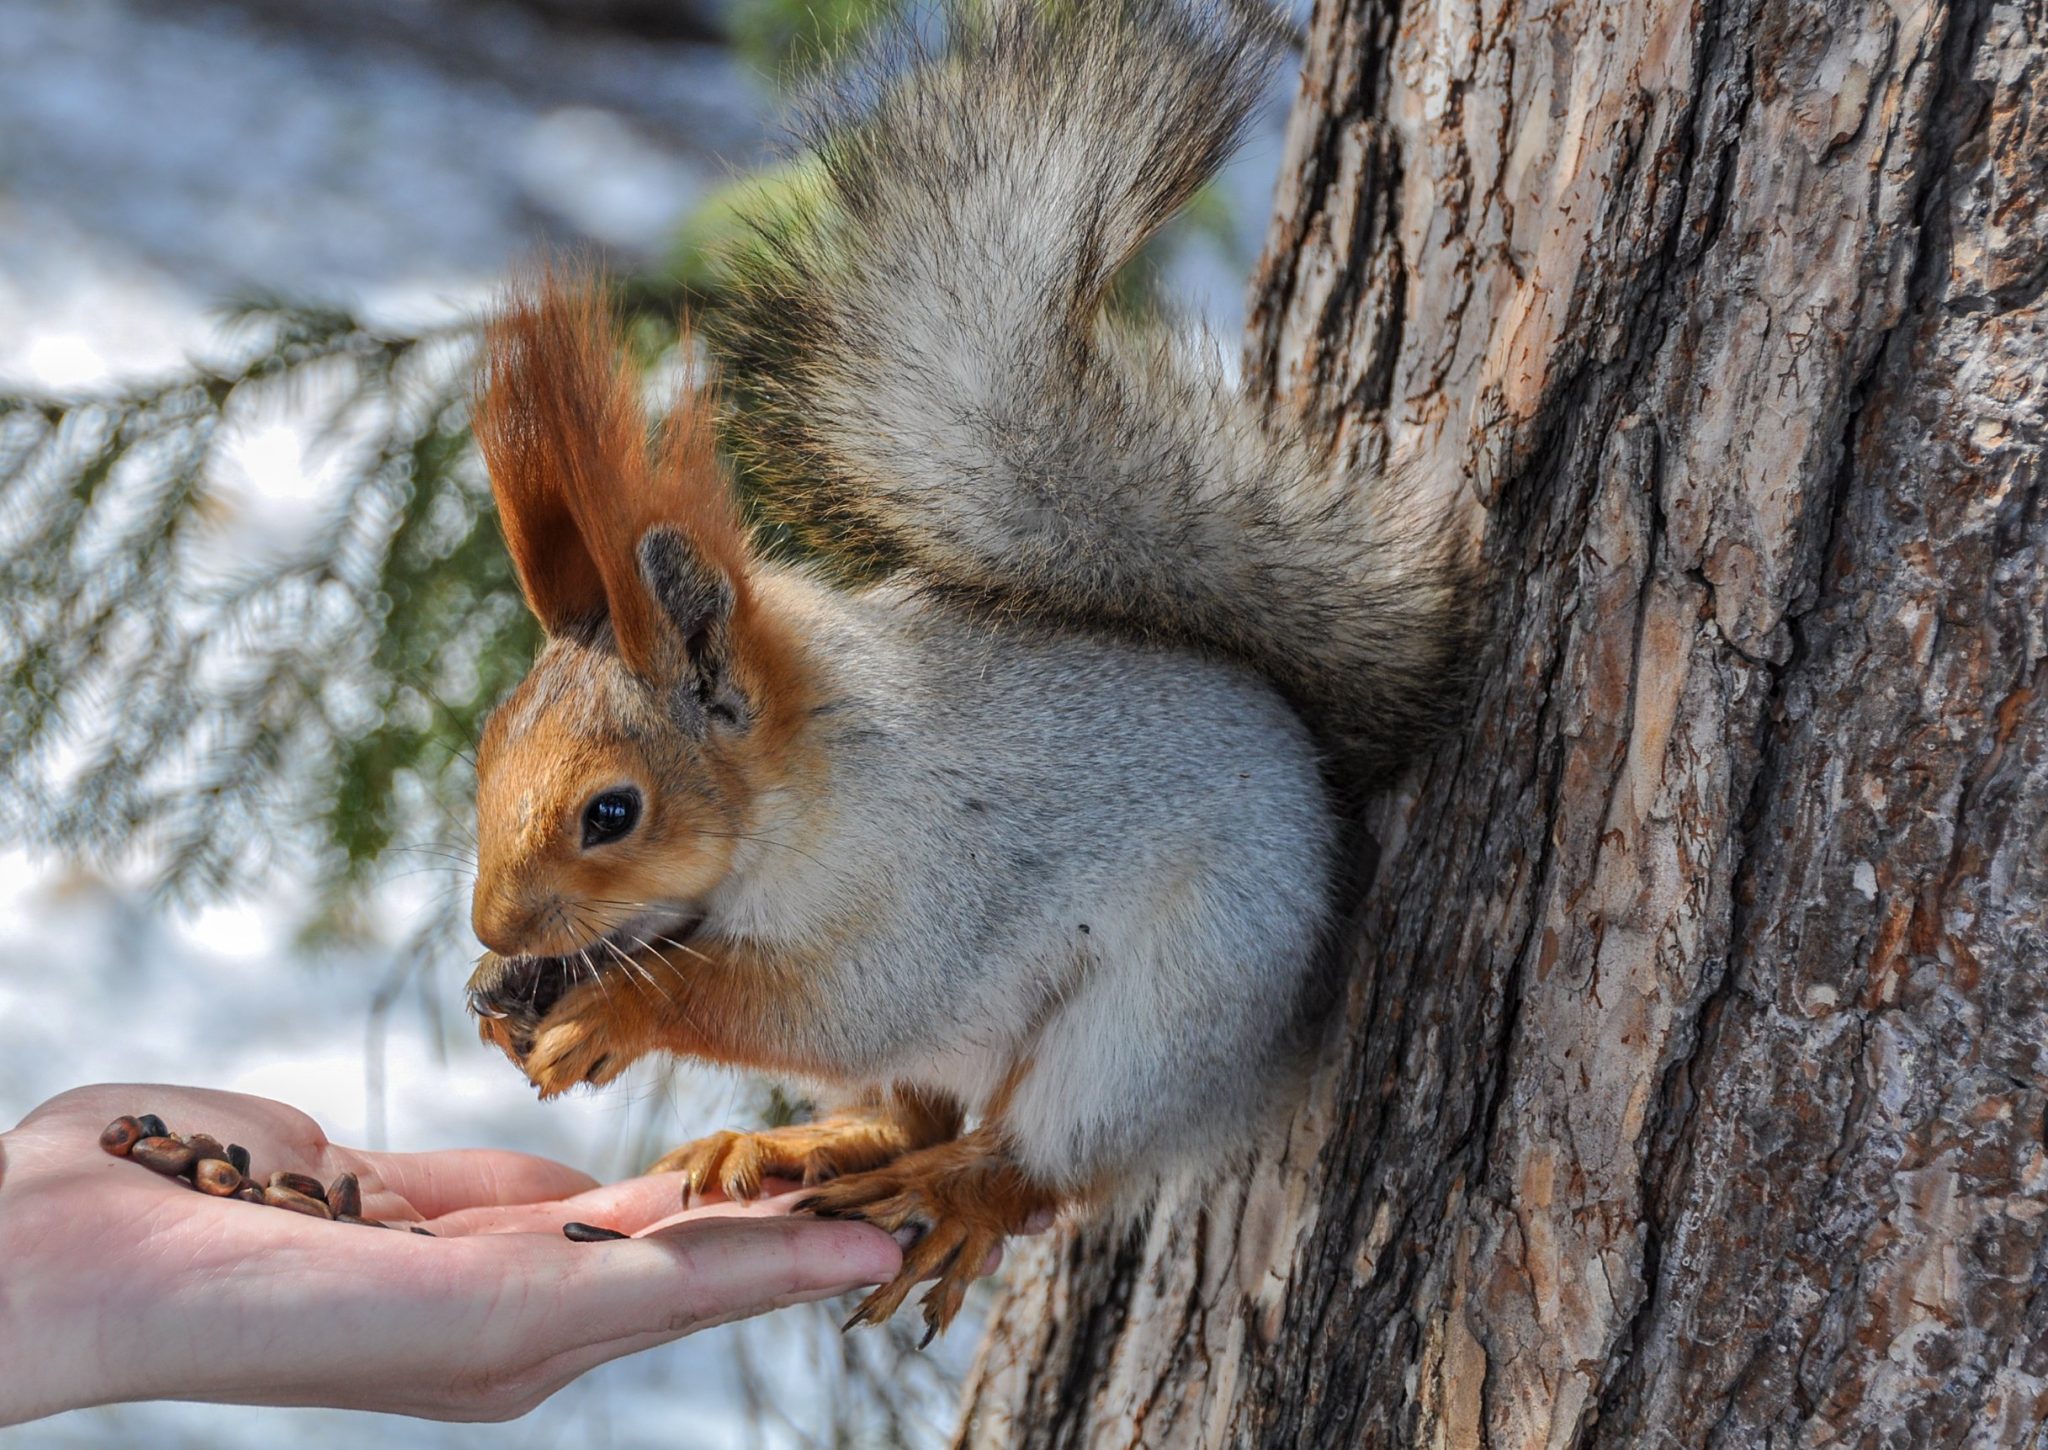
<point>175,694</point>
<point>179,696</point>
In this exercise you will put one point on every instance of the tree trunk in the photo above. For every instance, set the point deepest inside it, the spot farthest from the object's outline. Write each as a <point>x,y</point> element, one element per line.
<point>1691,1083</point>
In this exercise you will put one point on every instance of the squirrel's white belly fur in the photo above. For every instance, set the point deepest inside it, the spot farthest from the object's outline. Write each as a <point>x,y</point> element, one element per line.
<point>1068,835</point>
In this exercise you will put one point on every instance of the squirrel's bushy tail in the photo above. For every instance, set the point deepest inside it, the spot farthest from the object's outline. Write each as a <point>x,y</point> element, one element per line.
<point>929,376</point>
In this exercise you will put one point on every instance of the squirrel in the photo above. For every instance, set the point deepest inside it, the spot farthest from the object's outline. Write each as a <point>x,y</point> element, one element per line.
<point>1017,838</point>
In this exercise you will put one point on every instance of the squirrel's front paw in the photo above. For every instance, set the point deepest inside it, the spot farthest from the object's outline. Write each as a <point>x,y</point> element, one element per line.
<point>583,1039</point>
<point>961,1199</point>
<point>806,1153</point>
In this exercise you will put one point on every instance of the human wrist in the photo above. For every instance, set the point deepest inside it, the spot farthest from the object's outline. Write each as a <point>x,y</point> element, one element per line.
<point>36,1323</point>
<point>60,1348</point>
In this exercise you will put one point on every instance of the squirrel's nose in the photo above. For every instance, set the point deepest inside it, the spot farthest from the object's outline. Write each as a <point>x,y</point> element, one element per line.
<point>497,939</point>
<point>503,926</point>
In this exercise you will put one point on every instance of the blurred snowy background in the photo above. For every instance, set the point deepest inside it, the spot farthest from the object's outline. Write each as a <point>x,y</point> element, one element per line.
<point>251,603</point>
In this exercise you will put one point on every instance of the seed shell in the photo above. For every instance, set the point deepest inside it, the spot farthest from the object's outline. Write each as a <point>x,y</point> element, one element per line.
<point>279,1197</point>
<point>345,1196</point>
<point>304,1183</point>
<point>121,1135</point>
<point>590,1233</point>
<point>166,1155</point>
<point>216,1176</point>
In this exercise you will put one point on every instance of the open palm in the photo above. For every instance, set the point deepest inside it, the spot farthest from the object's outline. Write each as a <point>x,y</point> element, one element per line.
<point>125,1285</point>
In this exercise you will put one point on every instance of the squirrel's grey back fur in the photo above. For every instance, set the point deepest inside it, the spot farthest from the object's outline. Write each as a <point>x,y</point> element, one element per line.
<point>929,378</point>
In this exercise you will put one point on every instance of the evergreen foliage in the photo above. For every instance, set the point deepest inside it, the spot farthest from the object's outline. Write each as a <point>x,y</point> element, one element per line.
<point>183,694</point>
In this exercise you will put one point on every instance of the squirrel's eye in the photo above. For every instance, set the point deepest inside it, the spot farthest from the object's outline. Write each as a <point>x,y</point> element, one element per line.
<point>610,816</point>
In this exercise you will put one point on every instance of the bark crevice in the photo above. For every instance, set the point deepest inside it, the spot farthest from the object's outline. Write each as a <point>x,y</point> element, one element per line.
<point>1689,1087</point>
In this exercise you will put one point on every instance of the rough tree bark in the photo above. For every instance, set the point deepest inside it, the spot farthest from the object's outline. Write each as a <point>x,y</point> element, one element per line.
<point>1692,1079</point>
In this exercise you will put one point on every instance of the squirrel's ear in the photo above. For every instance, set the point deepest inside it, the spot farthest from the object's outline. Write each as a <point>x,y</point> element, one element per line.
<point>555,571</point>
<point>559,418</point>
<point>698,600</point>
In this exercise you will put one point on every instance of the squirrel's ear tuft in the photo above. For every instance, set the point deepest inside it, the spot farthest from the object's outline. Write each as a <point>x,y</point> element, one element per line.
<point>559,419</point>
<point>528,413</point>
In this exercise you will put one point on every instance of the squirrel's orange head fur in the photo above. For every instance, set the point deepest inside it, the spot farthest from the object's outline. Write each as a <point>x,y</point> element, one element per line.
<point>613,782</point>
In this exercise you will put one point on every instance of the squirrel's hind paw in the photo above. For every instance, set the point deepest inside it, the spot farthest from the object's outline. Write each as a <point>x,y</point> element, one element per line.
<point>956,1253</point>
<point>960,1199</point>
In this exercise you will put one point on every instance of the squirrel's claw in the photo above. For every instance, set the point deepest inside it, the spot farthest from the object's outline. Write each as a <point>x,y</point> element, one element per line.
<point>585,1038</point>
<point>961,1200</point>
<point>953,1251</point>
<point>733,1163</point>
<point>808,1153</point>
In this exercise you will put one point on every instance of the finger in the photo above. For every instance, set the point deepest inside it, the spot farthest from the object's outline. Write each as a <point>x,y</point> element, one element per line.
<point>711,1270</point>
<point>498,1319</point>
<point>460,1178</point>
<point>628,1206</point>
<point>782,1205</point>
<point>778,1206</point>
<point>785,1203</point>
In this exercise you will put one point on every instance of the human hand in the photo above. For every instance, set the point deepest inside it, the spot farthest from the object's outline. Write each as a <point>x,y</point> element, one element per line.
<point>124,1285</point>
